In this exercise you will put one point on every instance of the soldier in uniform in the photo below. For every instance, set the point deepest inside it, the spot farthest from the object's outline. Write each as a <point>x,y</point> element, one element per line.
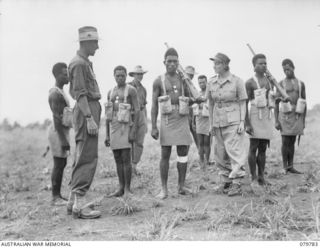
<point>227,107</point>
<point>290,120</point>
<point>168,91</point>
<point>122,129</point>
<point>86,115</point>
<point>142,128</point>
<point>58,133</point>
<point>202,124</point>
<point>259,121</point>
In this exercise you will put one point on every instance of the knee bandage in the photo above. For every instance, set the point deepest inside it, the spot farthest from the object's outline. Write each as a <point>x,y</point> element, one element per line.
<point>182,159</point>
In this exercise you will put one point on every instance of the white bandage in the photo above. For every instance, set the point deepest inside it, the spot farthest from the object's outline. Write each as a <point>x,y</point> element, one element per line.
<point>183,159</point>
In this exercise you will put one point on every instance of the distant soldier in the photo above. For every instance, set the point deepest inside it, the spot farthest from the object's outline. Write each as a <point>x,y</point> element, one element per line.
<point>171,93</point>
<point>121,127</point>
<point>58,132</point>
<point>190,71</point>
<point>290,116</point>
<point>86,115</point>
<point>202,124</point>
<point>259,121</point>
<point>142,128</point>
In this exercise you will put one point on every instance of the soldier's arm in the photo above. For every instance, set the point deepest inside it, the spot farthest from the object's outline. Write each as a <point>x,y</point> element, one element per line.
<point>277,103</point>
<point>211,105</point>
<point>249,91</point>
<point>135,104</point>
<point>79,88</point>
<point>242,97</point>
<point>303,95</point>
<point>156,91</point>
<point>57,105</point>
<point>108,122</point>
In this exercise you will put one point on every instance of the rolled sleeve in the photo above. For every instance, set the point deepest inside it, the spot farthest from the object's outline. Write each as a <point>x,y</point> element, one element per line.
<point>78,84</point>
<point>241,90</point>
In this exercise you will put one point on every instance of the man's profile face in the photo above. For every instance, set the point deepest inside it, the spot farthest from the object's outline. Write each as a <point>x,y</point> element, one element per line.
<point>190,76</point>
<point>261,65</point>
<point>120,77</point>
<point>202,83</point>
<point>138,77</point>
<point>288,70</point>
<point>171,62</point>
<point>63,77</point>
<point>92,46</point>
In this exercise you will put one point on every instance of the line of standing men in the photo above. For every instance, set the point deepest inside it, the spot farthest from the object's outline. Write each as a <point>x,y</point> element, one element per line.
<point>225,97</point>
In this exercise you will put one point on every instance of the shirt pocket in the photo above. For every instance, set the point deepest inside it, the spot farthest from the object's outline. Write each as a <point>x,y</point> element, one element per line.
<point>229,95</point>
<point>233,114</point>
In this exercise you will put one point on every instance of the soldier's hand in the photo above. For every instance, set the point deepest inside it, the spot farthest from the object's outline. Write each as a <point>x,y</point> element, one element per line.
<point>278,125</point>
<point>92,127</point>
<point>66,148</point>
<point>240,127</point>
<point>132,135</point>
<point>212,132</point>
<point>107,141</point>
<point>155,133</point>
<point>249,129</point>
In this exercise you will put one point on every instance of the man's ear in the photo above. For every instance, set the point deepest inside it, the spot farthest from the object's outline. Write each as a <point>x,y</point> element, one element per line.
<point>164,62</point>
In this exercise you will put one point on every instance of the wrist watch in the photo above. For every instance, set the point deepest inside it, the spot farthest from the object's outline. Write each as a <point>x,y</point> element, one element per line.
<point>88,116</point>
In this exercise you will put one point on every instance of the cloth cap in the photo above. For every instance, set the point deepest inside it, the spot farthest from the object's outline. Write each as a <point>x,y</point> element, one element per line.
<point>190,70</point>
<point>288,62</point>
<point>171,52</point>
<point>88,33</point>
<point>221,57</point>
<point>137,69</point>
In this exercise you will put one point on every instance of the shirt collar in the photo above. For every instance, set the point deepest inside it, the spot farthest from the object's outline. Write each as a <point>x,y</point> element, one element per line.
<point>82,55</point>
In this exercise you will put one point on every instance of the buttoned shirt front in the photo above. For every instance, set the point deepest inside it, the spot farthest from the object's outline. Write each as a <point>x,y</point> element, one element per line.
<point>82,79</point>
<point>142,94</point>
<point>226,95</point>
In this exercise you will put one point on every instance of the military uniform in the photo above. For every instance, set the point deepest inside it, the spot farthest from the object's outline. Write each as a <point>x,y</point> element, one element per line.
<point>229,149</point>
<point>83,83</point>
<point>142,127</point>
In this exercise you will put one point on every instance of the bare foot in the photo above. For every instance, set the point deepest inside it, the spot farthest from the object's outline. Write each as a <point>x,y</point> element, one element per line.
<point>118,193</point>
<point>184,191</point>
<point>162,195</point>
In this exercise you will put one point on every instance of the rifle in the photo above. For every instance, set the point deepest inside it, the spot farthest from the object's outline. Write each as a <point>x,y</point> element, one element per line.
<point>193,90</point>
<point>272,80</point>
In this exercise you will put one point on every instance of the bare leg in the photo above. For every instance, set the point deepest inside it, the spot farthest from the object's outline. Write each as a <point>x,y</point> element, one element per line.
<point>164,170</point>
<point>201,149</point>
<point>127,171</point>
<point>182,170</point>
<point>117,157</point>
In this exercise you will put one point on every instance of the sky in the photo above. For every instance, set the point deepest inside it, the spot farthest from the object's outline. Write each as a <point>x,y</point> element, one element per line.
<point>34,35</point>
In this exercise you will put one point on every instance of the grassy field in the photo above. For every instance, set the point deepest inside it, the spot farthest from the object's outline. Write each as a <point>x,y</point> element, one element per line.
<point>288,210</point>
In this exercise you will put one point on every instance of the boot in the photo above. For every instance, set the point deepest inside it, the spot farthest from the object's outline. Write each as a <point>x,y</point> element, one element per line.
<point>81,210</point>
<point>70,203</point>
<point>235,190</point>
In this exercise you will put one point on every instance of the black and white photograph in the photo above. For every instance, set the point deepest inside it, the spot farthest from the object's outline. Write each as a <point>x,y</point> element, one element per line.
<point>136,120</point>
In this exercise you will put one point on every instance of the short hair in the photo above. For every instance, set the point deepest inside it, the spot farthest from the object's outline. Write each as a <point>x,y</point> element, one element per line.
<point>57,68</point>
<point>171,52</point>
<point>202,76</point>
<point>119,68</point>
<point>256,57</point>
<point>288,62</point>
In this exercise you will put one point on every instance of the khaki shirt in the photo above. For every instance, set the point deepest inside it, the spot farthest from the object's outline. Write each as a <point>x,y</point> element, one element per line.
<point>226,95</point>
<point>82,79</point>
